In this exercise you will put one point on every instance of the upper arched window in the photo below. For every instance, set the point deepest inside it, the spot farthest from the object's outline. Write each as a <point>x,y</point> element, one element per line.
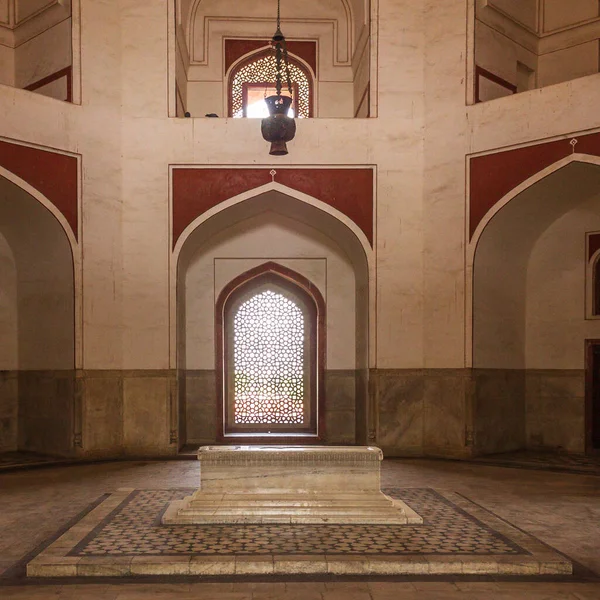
<point>252,79</point>
<point>270,335</point>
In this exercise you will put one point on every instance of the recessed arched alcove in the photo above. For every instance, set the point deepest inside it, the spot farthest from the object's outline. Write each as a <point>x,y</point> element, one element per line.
<point>331,38</point>
<point>37,326</point>
<point>529,315</point>
<point>277,228</point>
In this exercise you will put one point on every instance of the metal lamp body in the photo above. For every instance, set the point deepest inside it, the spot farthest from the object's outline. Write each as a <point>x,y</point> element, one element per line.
<point>278,128</point>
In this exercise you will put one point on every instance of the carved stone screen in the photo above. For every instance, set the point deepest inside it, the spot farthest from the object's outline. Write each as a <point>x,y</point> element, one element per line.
<point>262,71</point>
<point>269,360</point>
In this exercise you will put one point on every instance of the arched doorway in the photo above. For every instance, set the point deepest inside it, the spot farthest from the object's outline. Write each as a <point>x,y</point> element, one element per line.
<point>529,315</point>
<point>37,325</point>
<point>273,227</point>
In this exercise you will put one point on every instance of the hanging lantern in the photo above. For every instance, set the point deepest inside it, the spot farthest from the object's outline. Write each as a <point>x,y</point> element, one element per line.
<point>279,128</point>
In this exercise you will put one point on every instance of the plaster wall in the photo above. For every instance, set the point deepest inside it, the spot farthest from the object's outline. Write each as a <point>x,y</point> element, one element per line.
<point>522,11</point>
<point>555,292</point>
<point>37,325</point>
<point>362,76</point>
<point>9,348</point>
<point>35,42</point>
<point>44,55</point>
<point>25,9</point>
<point>529,275</point>
<point>9,339</point>
<point>558,14</point>
<point>500,54</point>
<point>7,66</point>
<point>40,283</point>
<point>212,257</point>
<point>334,13</point>
<point>339,28</point>
<point>529,315</point>
<point>418,143</point>
<point>570,63</point>
<point>556,40</point>
<point>292,245</point>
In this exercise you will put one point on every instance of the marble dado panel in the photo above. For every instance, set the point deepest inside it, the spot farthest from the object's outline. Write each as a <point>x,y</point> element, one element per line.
<point>199,407</point>
<point>8,410</point>
<point>127,413</point>
<point>431,412</point>
<point>498,409</point>
<point>46,411</point>
<point>555,407</point>
<point>422,412</point>
<point>463,413</point>
<point>198,402</point>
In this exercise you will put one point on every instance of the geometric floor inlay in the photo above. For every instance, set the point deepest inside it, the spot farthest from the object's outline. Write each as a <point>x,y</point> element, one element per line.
<point>122,536</point>
<point>134,529</point>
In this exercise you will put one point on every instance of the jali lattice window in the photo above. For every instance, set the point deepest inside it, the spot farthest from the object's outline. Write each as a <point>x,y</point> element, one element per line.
<point>268,350</point>
<point>270,329</point>
<point>254,79</point>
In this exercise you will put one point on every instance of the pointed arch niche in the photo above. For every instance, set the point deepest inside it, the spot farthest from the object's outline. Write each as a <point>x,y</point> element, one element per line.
<point>270,357</point>
<point>529,310</point>
<point>302,250</point>
<point>329,38</point>
<point>39,270</point>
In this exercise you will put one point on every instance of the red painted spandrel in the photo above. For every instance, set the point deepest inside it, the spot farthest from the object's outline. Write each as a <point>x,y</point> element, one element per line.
<point>53,174</point>
<point>494,175</point>
<point>196,191</point>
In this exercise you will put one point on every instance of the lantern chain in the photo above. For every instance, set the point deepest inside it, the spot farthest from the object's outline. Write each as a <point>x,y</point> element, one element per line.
<point>281,55</point>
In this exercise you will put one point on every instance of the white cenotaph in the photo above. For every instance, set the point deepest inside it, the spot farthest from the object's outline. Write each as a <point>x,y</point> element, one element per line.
<point>289,484</point>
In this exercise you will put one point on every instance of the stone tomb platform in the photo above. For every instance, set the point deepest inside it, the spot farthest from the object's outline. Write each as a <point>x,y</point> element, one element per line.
<point>290,484</point>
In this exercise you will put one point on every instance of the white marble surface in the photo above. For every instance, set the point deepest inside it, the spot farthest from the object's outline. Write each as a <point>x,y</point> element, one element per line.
<point>289,484</point>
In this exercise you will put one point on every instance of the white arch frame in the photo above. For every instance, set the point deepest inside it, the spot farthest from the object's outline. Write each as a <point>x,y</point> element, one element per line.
<point>75,254</point>
<point>234,65</point>
<point>471,246</point>
<point>235,200</point>
<point>190,33</point>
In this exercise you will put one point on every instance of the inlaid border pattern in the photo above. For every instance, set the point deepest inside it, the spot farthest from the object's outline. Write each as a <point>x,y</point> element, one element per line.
<point>134,529</point>
<point>123,537</point>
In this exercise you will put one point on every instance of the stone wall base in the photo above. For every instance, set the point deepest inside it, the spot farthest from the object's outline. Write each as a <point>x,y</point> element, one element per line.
<point>450,413</point>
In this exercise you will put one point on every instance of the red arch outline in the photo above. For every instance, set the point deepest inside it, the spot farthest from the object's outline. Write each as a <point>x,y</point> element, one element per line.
<point>272,271</point>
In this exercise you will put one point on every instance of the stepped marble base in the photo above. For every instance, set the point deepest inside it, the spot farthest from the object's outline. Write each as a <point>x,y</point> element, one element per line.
<point>289,484</point>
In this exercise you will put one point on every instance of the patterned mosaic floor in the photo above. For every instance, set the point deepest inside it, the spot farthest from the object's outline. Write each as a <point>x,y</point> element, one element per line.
<point>135,529</point>
<point>124,536</point>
